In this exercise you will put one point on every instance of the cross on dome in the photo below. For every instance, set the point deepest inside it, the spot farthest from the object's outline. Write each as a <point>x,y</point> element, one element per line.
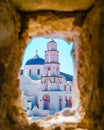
<point>36,56</point>
<point>36,52</point>
<point>52,40</point>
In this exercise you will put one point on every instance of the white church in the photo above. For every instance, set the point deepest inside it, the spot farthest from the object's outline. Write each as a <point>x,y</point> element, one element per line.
<point>43,85</point>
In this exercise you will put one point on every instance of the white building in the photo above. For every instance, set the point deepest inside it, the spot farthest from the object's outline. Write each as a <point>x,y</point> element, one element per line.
<point>43,84</point>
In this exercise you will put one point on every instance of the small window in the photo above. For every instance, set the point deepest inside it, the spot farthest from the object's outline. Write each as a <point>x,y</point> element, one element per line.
<point>68,101</point>
<point>64,87</point>
<point>48,68</point>
<point>21,72</point>
<point>29,71</point>
<point>70,89</point>
<point>38,71</point>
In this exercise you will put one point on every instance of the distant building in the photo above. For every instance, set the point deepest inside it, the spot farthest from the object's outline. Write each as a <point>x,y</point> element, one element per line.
<point>42,83</point>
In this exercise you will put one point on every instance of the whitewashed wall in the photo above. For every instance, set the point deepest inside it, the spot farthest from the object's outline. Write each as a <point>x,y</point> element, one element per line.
<point>34,69</point>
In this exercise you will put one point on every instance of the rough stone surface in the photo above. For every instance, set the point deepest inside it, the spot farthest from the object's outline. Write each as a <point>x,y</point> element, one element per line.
<point>48,24</point>
<point>90,67</point>
<point>58,5</point>
<point>10,109</point>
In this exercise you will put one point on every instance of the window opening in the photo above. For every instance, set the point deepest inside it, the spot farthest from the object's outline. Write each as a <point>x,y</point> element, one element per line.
<point>29,71</point>
<point>38,71</point>
<point>41,92</point>
<point>46,102</point>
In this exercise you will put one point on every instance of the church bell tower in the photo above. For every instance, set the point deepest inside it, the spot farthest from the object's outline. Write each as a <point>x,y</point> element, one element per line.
<point>52,65</point>
<point>51,79</point>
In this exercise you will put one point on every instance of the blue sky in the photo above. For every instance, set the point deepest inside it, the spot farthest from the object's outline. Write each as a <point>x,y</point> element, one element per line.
<point>40,44</point>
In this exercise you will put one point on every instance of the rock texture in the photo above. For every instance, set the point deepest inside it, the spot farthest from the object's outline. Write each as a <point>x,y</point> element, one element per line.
<point>59,5</point>
<point>15,29</point>
<point>91,68</point>
<point>48,24</point>
<point>10,109</point>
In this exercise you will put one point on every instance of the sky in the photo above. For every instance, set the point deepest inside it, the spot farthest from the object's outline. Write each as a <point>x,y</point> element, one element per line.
<point>40,44</point>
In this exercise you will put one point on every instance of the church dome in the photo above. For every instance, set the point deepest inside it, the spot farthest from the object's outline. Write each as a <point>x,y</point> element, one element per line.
<point>35,61</point>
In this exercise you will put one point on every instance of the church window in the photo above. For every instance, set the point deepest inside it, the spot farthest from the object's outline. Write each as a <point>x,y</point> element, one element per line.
<point>46,102</point>
<point>64,87</point>
<point>38,71</point>
<point>58,84</point>
<point>70,89</point>
<point>68,101</point>
<point>57,69</point>
<point>29,71</point>
<point>60,103</point>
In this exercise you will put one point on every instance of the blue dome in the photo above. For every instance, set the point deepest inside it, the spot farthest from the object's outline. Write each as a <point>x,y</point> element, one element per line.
<point>35,61</point>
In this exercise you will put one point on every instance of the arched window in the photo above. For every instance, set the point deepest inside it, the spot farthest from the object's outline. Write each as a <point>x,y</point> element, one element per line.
<point>46,97</point>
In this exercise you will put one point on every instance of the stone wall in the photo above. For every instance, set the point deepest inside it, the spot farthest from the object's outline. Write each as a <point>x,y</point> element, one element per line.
<point>90,69</point>
<point>10,59</point>
<point>89,75</point>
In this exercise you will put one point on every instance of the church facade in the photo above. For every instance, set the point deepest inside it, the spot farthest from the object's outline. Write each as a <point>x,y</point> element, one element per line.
<point>43,85</point>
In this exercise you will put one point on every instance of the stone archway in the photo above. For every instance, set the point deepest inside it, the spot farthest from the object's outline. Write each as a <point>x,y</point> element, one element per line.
<point>11,49</point>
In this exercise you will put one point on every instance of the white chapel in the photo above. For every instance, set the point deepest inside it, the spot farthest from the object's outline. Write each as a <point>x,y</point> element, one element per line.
<point>42,83</point>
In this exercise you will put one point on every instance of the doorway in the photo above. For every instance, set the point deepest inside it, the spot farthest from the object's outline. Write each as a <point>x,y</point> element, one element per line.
<point>46,102</point>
